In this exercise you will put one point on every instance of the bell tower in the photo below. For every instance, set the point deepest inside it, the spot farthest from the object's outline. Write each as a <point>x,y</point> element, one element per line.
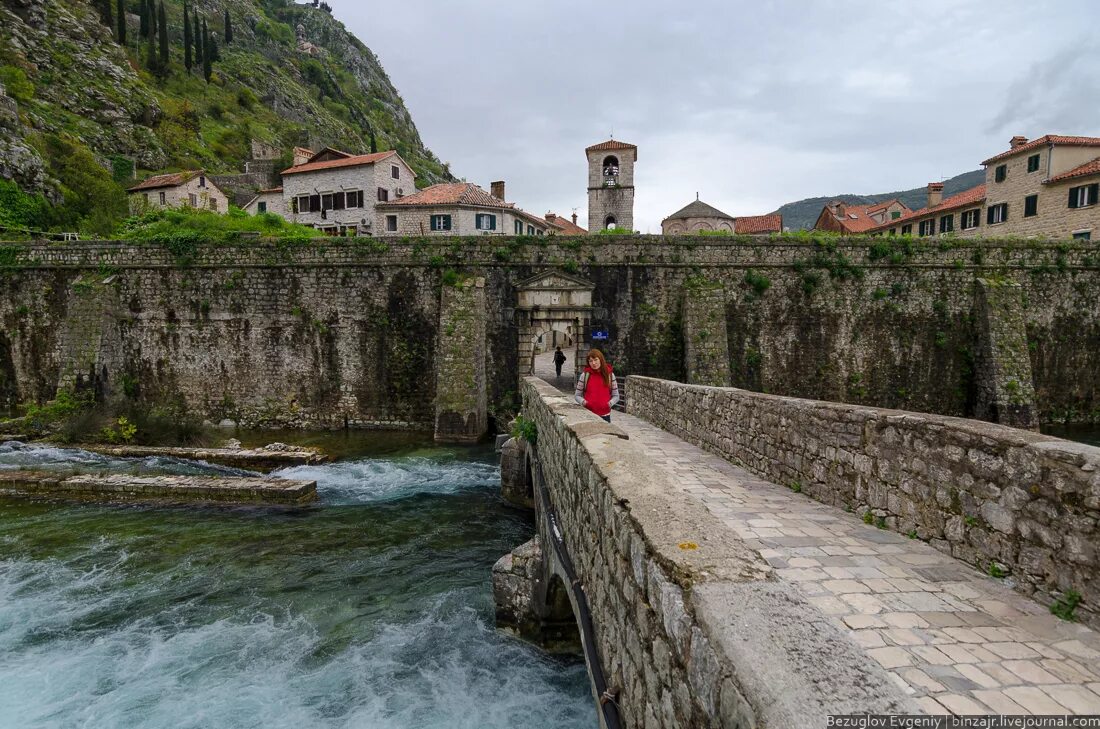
<point>611,185</point>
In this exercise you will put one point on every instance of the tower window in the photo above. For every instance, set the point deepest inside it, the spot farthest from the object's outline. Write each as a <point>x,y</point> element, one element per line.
<point>611,166</point>
<point>610,222</point>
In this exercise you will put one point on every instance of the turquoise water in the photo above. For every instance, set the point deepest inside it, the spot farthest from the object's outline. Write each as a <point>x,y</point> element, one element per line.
<point>1087,433</point>
<point>371,609</point>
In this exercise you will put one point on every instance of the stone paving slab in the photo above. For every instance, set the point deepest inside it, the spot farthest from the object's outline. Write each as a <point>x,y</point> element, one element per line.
<point>954,639</point>
<point>268,458</point>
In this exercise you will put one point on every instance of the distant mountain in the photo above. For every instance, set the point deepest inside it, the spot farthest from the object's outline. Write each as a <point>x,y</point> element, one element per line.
<point>803,214</point>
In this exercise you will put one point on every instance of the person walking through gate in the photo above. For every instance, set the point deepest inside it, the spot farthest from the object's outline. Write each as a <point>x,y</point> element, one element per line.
<point>559,360</point>
<point>597,390</point>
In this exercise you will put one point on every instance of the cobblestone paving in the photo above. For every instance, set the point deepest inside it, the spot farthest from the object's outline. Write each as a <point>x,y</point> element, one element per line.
<point>956,640</point>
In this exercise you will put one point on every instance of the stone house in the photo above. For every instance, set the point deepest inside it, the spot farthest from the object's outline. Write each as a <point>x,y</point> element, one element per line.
<point>1044,187</point>
<point>959,215</point>
<point>267,201</point>
<point>458,208</point>
<point>179,189</point>
<point>698,216</point>
<point>841,217</point>
<point>563,226</point>
<point>338,193</point>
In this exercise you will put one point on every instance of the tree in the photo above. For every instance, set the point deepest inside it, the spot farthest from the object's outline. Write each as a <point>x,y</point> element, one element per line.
<point>162,29</point>
<point>152,19</point>
<point>122,22</point>
<point>228,28</point>
<point>196,38</point>
<point>373,141</point>
<point>151,57</point>
<point>144,12</point>
<point>186,39</point>
<point>207,61</point>
<point>104,8</point>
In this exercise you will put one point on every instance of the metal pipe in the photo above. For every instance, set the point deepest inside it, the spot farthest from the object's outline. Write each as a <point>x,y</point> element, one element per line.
<point>608,708</point>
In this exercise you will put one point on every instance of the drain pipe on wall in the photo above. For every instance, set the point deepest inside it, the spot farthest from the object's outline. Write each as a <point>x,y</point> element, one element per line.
<point>609,709</point>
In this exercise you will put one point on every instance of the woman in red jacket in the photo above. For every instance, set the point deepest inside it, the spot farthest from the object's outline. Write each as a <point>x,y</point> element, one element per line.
<point>597,388</point>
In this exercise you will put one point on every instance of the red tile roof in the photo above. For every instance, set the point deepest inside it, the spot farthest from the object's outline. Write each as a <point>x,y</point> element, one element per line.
<point>772,223</point>
<point>452,193</point>
<point>174,179</point>
<point>964,199</point>
<point>565,225</point>
<point>613,144</point>
<point>1047,139</point>
<point>354,161</point>
<point>1086,170</point>
<point>855,218</point>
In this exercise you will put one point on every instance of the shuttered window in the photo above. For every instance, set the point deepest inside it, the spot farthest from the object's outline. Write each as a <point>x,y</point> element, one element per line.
<point>485,221</point>
<point>1033,163</point>
<point>996,214</point>
<point>1031,206</point>
<point>1083,196</point>
<point>971,219</point>
<point>1000,173</point>
<point>947,224</point>
<point>927,227</point>
<point>441,222</point>
<point>907,229</point>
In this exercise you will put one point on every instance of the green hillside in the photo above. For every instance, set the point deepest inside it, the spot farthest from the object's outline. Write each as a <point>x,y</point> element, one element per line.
<point>803,213</point>
<point>82,110</point>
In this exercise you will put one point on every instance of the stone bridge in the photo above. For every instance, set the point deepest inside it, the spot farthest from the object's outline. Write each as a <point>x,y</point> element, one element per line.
<point>750,560</point>
<point>432,333</point>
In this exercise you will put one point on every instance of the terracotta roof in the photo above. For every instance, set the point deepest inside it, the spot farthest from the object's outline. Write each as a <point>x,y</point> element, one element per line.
<point>964,199</point>
<point>1086,170</point>
<point>565,225</point>
<point>452,193</point>
<point>353,161</point>
<point>174,179</point>
<point>698,209</point>
<point>330,150</point>
<point>771,223</point>
<point>1041,141</point>
<point>875,207</point>
<point>609,144</point>
<point>855,218</point>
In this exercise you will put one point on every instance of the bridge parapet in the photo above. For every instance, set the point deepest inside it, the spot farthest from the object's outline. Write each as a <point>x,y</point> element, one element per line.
<point>691,628</point>
<point>1006,500</point>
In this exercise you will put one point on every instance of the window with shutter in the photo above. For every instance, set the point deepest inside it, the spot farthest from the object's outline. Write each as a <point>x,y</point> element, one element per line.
<point>314,203</point>
<point>261,207</point>
<point>395,172</point>
<point>391,223</point>
<point>1000,173</point>
<point>907,229</point>
<point>947,224</point>
<point>530,230</point>
<point>1031,206</point>
<point>492,222</point>
<point>519,227</point>
<point>383,194</point>
<point>1033,163</point>
<point>326,201</point>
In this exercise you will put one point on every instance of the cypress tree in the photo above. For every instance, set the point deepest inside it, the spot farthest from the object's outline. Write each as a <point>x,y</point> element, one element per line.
<point>215,56</point>
<point>144,18</point>
<point>151,56</point>
<point>228,28</point>
<point>152,19</point>
<point>186,39</point>
<point>162,26</point>
<point>373,141</point>
<point>196,38</point>
<point>206,56</point>
<point>122,22</point>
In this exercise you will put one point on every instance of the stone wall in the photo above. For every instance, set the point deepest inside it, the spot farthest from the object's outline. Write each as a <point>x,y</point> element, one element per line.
<point>460,404</point>
<point>690,631</point>
<point>346,329</point>
<point>1008,501</point>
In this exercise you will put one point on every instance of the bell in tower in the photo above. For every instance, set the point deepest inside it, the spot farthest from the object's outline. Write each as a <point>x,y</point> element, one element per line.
<point>611,185</point>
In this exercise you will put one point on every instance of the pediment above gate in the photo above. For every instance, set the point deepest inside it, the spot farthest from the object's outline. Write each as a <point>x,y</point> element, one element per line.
<point>556,290</point>
<point>555,279</point>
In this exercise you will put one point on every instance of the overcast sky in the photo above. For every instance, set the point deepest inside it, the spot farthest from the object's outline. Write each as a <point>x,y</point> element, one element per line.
<point>751,104</point>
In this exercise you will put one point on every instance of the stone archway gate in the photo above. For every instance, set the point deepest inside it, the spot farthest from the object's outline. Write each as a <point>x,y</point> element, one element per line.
<point>556,301</point>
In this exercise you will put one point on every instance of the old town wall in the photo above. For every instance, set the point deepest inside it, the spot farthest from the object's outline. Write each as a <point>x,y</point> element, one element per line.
<point>345,331</point>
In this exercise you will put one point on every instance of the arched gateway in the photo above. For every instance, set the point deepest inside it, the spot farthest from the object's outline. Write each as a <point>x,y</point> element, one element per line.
<point>552,301</point>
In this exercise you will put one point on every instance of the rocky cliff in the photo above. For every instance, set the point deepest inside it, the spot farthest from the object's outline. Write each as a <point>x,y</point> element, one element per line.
<point>292,75</point>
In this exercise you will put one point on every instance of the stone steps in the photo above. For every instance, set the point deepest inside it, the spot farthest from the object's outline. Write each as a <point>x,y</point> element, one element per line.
<point>125,487</point>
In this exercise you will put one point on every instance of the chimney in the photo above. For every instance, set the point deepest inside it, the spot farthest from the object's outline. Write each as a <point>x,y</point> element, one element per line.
<point>497,189</point>
<point>1017,141</point>
<point>935,194</point>
<point>574,218</point>
<point>837,207</point>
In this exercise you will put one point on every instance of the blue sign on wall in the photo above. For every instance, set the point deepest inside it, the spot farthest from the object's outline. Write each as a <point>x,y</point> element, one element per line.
<point>599,334</point>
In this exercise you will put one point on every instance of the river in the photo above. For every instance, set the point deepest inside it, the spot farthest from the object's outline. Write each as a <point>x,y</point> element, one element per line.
<point>372,609</point>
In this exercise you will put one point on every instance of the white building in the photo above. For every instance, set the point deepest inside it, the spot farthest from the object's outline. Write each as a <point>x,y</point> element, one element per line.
<point>337,192</point>
<point>267,201</point>
<point>458,208</point>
